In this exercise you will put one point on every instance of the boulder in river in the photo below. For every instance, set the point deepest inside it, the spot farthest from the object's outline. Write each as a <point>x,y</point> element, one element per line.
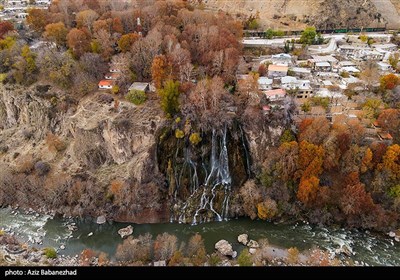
<point>253,244</point>
<point>101,219</point>
<point>243,238</point>
<point>225,248</point>
<point>124,232</point>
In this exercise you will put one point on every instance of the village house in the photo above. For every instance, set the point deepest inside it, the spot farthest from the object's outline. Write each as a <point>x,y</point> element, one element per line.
<point>383,66</point>
<point>106,84</point>
<point>112,76</point>
<point>276,94</point>
<point>264,83</point>
<point>323,66</point>
<point>140,86</point>
<point>349,69</point>
<point>304,90</point>
<point>301,72</point>
<point>282,59</point>
<point>275,71</point>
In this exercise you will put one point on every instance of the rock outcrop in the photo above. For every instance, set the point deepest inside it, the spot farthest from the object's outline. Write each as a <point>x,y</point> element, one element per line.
<point>225,248</point>
<point>92,143</point>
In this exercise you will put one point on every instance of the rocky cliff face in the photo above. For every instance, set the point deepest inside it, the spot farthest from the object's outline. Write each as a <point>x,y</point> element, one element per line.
<point>324,14</point>
<point>91,143</point>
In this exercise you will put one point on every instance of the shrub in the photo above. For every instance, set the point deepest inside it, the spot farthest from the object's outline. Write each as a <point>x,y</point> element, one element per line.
<point>195,138</point>
<point>50,253</point>
<point>42,168</point>
<point>267,209</point>
<point>244,258</point>
<point>115,89</point>
<point>394,191</point>
<point>179,134</point>
<point>136,97</point>
<point>55,143</point>
<point>214,259</point>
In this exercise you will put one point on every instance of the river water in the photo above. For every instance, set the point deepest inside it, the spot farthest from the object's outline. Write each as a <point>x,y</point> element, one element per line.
<point>368,248</point>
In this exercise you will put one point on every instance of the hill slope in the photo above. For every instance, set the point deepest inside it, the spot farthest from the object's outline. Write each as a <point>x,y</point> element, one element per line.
<point>324,14</point>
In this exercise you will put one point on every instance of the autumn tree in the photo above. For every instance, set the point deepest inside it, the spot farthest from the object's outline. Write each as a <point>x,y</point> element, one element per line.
<point>308,189</point>
<point>251,196</point>
<point>370,74</point>
<point>126,41</point>
<point>389,81</point>
<point>37,19</point>
<point>160,70</point>
<point>195,250</point>
<point>56,67</point>
<point>389,120</point>
<point>310,159</point>
<point>78,41</point>
<point>143,52</point>
<point>117,26</point>
<point>267,209</point>
<point>165,246</point>
<point>86,18</point>
<point>25,68</point>
<point>367,163</point>
<point>57,33</point>
<point>104,43</point>
<point>391,161</point>
<point>316,132</point>
<point>288,164</point>
<point>5,27</point>
<point>170,98</point>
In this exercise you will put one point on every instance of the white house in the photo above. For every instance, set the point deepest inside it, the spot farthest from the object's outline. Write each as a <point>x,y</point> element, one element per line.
<point>384,66</point>
<point>265,83</point>
<point>323,66</point>
<point>276,71</point>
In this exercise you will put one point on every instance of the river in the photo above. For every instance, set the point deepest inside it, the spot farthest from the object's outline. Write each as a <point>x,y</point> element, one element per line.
<point>368,248</point>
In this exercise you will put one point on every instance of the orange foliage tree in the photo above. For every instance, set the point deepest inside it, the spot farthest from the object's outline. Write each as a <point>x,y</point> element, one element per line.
<point>308,190</point>
<point>367,163</point>
<point>78,41</point>
<point>56,32</point>
<point>389,120</point>
<point>310,159</point>
<point>126,41</point>
<point>391,161</point>
<point>389,81</point>
<point>37,19</point>
<point>5,26</point>
<point>160,70</point>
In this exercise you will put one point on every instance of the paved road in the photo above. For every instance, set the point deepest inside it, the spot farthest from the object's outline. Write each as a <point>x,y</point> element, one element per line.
<point>280,42</point>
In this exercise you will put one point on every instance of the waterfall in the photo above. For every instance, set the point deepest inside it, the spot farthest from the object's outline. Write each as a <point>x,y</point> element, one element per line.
<point>246,152</point>
<point>203,179</point>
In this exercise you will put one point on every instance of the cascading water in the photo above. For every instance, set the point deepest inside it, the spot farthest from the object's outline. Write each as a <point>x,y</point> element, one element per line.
<point>201,177</point>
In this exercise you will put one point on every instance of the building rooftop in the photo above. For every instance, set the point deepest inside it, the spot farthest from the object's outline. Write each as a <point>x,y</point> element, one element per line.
<point>323,64</point>
<point>138,86</point>
<point>278,68</point>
